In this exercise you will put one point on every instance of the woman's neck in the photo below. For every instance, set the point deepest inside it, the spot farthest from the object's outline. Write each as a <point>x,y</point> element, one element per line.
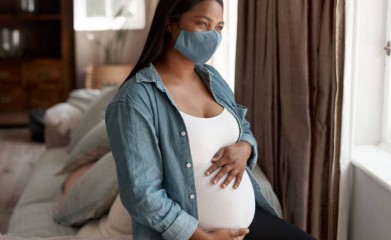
<point>175,65</point>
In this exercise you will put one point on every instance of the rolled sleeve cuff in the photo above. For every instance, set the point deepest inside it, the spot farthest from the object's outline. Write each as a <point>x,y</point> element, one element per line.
<point>182,228</point>
<point>252,161</point>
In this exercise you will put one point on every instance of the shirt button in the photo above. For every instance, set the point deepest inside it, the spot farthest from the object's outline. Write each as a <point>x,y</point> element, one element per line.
<point>188,165</point>
<point>192,196</point>
<point>183,133</point>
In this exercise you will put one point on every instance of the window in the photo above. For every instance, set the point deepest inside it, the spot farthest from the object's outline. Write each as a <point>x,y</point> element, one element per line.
<point>100,15</point>
<point>386,133</point>
<point>224,59</point>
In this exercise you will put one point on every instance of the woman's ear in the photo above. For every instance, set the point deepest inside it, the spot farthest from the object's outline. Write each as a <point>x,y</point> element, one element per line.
<point>169,26</point>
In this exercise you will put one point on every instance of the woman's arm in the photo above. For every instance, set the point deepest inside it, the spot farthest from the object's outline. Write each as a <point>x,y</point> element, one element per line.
<point>140,171</point>
<point>247,135</point>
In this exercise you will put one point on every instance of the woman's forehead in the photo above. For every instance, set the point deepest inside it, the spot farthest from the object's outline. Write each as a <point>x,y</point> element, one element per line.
<point>208,8</point>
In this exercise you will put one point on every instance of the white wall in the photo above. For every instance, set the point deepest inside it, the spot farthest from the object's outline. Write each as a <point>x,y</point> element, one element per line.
<point>370,208</point>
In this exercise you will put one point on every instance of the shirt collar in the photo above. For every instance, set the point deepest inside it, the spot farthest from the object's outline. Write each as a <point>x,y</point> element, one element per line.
<point>150,74</point>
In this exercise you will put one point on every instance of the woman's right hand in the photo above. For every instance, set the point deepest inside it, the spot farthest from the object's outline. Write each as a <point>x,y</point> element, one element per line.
<point>236,234</point>
<point>220,234</point>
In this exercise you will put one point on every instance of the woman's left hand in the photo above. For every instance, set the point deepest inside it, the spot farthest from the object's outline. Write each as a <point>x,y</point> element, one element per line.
<point>231,161</point>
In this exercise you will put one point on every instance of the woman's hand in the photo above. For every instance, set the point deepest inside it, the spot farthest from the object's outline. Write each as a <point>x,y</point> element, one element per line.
<point>231,161</point>
<point>223,234</point>
<point>220,234</point>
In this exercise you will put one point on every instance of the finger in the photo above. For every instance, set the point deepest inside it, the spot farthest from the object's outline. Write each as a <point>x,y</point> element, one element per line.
<point>239,232</point>
<point>218,155</point>
<point>216,165</point>
<point>224,171</point>
<point>228,180</point>
<point>212,168</point>
<point>238,180</point>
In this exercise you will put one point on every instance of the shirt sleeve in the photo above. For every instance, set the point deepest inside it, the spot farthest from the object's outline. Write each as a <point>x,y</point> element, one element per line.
<point>135,148</point>
<point>247,135</point>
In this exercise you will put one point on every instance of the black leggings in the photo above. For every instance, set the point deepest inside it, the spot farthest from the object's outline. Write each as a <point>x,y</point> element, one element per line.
<point>266,226</point>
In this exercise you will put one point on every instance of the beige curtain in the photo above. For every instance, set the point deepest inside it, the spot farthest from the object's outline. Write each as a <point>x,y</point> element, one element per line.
<point>289,74</point>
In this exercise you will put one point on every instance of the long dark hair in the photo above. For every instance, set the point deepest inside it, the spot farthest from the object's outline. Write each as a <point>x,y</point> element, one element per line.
<point>157,37</point>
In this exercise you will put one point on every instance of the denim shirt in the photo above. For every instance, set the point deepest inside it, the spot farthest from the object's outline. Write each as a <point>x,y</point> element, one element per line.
<point>152,154</point>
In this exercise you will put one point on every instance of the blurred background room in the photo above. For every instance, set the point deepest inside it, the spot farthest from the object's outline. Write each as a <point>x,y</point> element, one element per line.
<point>315,76</point>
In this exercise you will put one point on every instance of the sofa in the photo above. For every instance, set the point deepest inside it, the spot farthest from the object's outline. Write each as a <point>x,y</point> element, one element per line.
<point>73,189</point>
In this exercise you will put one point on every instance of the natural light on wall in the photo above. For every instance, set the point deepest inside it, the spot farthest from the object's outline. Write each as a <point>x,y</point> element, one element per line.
<point>100,15</point>
<point>225,57</point>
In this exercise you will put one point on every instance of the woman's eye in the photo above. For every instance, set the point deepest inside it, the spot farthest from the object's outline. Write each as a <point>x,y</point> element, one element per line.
<point>220,28</point>
<point>203,24</point>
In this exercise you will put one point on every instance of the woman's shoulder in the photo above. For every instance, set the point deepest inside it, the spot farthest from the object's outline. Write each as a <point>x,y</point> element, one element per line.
<point>135,89</point>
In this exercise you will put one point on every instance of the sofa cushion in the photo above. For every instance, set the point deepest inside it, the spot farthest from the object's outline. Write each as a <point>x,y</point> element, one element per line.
<point>90,148</point>
<point>92,196</point>
<point>44,185</point>
<point>36,220</point>
<point>60,119</point>
<point>116,223</point>
<point>92,116</point>
<point>12,237</point>
<point>267,189</point>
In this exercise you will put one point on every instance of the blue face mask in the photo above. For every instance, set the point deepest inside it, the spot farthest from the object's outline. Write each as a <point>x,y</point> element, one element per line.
<point>198,46</point>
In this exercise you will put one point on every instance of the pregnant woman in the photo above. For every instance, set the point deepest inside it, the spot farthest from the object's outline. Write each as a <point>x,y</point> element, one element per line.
<point>182,146</point>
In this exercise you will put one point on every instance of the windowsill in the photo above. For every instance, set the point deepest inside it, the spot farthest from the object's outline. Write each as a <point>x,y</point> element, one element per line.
<point>375,161</point>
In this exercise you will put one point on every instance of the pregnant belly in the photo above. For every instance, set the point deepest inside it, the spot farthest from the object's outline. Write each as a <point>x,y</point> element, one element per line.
<point>224,207</point>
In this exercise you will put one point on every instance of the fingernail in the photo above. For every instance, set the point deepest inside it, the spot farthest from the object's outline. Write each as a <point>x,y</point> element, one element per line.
<point>236,186</point>
<point>214,181</point>
<point>223,186</point>
<point>207,173</point>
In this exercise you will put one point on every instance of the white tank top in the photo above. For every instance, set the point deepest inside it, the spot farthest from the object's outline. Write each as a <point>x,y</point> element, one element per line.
<point>217,207</point>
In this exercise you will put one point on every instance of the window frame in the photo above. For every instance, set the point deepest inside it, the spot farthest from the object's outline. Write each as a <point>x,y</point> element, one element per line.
<point>386,125</point>
<point>84,23</point>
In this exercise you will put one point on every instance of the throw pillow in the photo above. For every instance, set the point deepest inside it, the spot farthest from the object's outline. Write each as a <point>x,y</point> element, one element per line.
<point>81,98</point>
<point>117,222</point>
<point>60,119</point>
<point>92,195</point>
<point>90,148</point>
<point>73,177</point>
<point>93,115</point>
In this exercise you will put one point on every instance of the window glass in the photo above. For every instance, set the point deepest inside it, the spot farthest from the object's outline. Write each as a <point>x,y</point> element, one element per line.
<point>95,8</point>
<point>386,138</point>
<point>101,15</point>
<point>225,57</point>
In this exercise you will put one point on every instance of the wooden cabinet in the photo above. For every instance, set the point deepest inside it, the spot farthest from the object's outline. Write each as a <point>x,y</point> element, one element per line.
<point>36,56</point>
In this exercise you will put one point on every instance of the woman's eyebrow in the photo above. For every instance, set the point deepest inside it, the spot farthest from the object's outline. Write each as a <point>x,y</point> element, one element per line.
<point>208,18</point>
